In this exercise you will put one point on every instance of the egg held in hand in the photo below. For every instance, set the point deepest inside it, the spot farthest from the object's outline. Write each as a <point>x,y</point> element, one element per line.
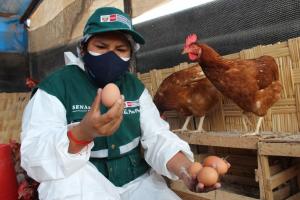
<point>219,164</point>
<point>208,176</point>
<point>110,94</point>
<point>194,169</point>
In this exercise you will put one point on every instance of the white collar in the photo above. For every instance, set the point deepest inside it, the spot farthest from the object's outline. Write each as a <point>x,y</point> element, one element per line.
<point>71,59</point>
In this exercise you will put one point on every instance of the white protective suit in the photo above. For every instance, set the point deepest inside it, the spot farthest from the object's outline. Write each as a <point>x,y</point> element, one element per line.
<point>65,176</point>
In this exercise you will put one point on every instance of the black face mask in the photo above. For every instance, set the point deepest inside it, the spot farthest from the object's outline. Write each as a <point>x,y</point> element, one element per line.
<point>104,68</point>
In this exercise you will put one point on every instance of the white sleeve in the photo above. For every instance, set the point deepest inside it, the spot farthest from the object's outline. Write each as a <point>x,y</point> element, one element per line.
<point>159,142</point>
<point>44,141</point>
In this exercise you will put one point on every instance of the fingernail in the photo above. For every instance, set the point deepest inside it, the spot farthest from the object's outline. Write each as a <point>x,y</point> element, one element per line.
<point>200,185</point>
<point>122,96</point>
<point>99,90</point>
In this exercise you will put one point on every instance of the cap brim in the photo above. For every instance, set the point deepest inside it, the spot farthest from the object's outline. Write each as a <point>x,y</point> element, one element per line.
<point>135,35</point>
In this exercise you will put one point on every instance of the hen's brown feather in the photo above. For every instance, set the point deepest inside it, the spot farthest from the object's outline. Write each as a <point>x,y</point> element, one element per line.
<point>187,92</point>
<point>251,83</point>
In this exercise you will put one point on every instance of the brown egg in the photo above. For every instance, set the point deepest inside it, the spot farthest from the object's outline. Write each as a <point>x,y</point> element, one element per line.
<point>219,164</point>
<point>194,169</point>
<point>208,176</point>
<point>110,94</point>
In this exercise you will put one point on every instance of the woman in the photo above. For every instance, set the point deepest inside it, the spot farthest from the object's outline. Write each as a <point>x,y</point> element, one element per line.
<point>77,148</point>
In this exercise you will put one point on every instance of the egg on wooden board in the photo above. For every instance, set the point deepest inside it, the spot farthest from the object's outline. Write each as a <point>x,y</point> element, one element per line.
<point>110,94</point>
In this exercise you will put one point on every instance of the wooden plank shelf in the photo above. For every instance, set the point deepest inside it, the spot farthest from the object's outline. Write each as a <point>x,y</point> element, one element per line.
<point>273,179</point>
<point>294,197</point>
<point>220,194</point>
<point>279,149</point>
<point>288,145</point>
<point>220,139</point>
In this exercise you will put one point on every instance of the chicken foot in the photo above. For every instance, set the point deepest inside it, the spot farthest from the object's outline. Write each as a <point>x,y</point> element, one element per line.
<point>256,132</point>
<point>245,120</point>
<point>184,127</point>
<point>187,121</point>
<point>200,126</point>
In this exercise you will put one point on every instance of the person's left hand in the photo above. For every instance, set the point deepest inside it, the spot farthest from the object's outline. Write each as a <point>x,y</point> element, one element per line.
<point>192,183</point>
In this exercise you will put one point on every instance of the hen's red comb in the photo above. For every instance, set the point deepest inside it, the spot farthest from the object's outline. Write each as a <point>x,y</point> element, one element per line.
<point>191,39</point>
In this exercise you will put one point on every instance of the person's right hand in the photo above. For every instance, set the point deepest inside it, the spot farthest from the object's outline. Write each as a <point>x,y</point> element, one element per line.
<point>193,185</point>
<point>96,124</point>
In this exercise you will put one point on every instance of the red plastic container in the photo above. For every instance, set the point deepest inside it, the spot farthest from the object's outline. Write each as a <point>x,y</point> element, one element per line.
<point>8,179</point>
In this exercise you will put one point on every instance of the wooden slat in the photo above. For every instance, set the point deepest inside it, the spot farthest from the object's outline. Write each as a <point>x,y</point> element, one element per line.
<point>219,139</point>
<point>264,167</point>
<point>274,169</point>
<point>279,149</point>
<point>294,197</point>
<point>259,176</point>
<point>281,46</point>
<point>296,75</point>
<point>219,194</point>
<point>283,176</point>
<point>189,196</point>
<point>282,193</point>
<point>297,99</point>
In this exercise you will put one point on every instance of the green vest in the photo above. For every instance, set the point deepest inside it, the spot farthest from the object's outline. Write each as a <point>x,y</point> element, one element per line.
<point>117,157</point>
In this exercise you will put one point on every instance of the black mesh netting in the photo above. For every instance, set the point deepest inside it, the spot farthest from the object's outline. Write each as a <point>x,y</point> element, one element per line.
<point>227,25</point>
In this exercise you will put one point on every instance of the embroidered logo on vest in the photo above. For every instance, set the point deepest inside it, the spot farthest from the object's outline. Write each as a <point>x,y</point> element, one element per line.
<point>80,108</point>
<point>131,104</point>
<point>131,107</point>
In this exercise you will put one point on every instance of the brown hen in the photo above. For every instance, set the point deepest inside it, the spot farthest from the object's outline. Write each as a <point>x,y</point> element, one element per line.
<point>188,92</point>
<point>253,84</point>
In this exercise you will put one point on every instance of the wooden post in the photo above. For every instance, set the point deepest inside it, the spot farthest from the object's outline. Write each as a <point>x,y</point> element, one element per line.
<point>259,177</point>
<point>265,188</point>
<point>128,7</point>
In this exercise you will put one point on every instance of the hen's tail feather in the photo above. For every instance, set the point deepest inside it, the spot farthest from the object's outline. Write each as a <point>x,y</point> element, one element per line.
<point>265,98</point>
<point>273,65</point>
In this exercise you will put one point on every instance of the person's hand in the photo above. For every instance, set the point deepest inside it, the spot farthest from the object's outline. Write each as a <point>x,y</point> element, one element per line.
<point>192,182</point>
<point>96,124</point>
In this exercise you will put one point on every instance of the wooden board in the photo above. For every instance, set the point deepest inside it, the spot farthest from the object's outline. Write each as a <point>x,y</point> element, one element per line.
<point>220,139</point>
<point>220,194</point>
<point>283,176</point>
<point>294,197</point>
<point>282,193</point>
<point>279,149</point>
<point>264,173</point>
<point>283,138</point>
